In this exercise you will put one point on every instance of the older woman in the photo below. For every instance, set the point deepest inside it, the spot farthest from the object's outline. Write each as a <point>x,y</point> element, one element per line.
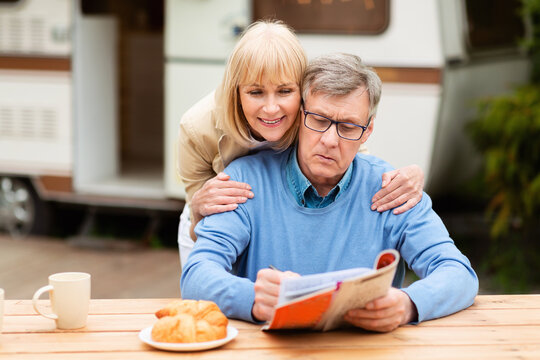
<point>256,106</point>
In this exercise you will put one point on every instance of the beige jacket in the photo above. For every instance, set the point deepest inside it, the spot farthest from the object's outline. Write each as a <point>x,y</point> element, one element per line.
<point>203,148</point>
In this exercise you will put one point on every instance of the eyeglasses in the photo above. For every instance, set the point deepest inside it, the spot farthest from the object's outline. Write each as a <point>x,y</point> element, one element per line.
<point>345,130</point>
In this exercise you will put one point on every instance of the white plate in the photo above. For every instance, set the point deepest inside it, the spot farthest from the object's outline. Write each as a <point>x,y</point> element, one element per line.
<point>146,336</point>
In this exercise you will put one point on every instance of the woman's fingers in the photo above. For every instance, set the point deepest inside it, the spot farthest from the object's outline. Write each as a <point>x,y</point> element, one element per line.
<point>218,195</point>
<point>227,184</point>
<point>225,196</point>
<point>400,187</point>
<point>206,210</point>
<point>409,204</point>
<point>222,176</point>
<point>386,195</point>
<point>222,180</point>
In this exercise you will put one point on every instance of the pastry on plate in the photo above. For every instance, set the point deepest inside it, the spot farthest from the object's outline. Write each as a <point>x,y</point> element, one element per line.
<point>186,321</point>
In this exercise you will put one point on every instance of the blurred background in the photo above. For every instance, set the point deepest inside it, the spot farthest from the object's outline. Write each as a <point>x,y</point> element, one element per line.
<point>92,91</point>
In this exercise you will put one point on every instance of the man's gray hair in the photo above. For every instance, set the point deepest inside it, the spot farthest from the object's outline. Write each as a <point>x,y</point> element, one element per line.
<point>340,74</point>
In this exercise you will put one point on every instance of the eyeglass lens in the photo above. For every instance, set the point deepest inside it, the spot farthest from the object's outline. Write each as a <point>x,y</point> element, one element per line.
<point>345,130</point>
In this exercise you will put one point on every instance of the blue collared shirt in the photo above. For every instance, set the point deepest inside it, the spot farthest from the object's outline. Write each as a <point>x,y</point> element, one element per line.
<point>305,193</point>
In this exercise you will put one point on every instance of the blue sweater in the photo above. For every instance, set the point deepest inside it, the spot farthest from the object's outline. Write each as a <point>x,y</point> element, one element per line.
<point>273,229</point>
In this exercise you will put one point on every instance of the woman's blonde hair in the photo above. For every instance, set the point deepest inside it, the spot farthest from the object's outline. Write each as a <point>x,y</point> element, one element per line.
<point>267,49</point>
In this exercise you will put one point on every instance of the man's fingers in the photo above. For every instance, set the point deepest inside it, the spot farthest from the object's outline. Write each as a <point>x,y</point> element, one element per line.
<point>290,274</point>
<point>262,312</point>
<point>270,277</point>
<point>369,314</point>
<point>267,287</point>
<point>383,314</point>
<point>379,325</point>
<point>266,295</point>
<point>389,300</point>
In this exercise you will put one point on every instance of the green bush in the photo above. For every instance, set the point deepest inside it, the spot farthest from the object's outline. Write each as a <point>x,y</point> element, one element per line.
<point>506,131</point>
<point>530,11</point>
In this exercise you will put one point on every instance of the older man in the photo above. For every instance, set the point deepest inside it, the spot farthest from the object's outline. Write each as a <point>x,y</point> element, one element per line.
<point>310,214</point>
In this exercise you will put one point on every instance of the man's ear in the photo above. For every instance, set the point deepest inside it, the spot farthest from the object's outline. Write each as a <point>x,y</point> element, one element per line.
<point>368,131</point>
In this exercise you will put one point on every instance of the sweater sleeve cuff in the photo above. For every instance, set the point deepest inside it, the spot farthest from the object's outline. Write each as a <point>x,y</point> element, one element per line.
<point>245,303</point>
<point>416,298</point>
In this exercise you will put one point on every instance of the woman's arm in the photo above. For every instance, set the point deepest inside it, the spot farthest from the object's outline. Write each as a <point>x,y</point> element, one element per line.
<point>206,192</point>
<point>217,195</point>
<point>194,160</point>
<point>403,187</point>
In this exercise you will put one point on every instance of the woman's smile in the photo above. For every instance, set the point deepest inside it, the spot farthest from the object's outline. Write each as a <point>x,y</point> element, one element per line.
<point>270,109</point>
<point>273,122</point>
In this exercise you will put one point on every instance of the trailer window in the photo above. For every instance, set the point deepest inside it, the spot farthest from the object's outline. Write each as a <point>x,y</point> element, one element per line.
<point>327,16</point>
<point>494,23</point>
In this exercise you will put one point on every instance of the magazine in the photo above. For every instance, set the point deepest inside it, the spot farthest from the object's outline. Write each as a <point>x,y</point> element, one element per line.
<point>320,301</point>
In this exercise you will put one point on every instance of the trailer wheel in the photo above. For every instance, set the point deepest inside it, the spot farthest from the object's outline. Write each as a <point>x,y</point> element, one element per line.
<point>22,212</point>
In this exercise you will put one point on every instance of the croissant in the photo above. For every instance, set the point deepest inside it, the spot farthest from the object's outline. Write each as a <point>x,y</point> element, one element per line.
<point>184,321</point>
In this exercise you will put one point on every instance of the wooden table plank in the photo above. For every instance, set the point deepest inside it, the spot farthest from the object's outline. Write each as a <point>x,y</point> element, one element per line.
<point>496,327</point>
<point>506,302</point>
<point>492,352</point>
<point>128,306</point>
<point>255,339</point>
<point>96,323</point>
<point>135,322</point>
<point>97,306</point>
<point>503,316</point>
<point>474,316</point>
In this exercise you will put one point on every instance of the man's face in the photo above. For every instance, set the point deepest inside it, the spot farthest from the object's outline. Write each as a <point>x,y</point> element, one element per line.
<point>324,157</point>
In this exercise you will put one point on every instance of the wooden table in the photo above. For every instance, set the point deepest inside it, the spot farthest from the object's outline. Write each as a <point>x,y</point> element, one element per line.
<point>494,327</point>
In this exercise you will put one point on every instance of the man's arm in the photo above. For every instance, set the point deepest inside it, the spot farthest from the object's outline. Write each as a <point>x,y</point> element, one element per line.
<point>447,281</point>
<point>207,273</point>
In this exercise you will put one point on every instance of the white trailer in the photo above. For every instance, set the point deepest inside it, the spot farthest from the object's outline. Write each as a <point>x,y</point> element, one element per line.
<point>91,92</point>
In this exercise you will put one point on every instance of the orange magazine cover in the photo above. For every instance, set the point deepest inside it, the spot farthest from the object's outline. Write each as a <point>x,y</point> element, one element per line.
<point>319,301</point>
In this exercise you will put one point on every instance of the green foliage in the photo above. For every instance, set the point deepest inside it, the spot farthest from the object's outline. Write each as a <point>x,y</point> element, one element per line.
<point>530,11</point>
<point>507,133</point>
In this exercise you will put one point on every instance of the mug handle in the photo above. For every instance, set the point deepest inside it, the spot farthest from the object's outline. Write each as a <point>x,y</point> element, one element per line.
<point>37,295</point>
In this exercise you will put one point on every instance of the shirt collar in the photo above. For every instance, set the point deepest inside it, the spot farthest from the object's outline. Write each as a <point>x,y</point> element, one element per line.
<point>304,192</point>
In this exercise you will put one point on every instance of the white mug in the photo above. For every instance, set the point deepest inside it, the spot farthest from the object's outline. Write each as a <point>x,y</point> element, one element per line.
<point>69,293</point>
<point>1,308</point>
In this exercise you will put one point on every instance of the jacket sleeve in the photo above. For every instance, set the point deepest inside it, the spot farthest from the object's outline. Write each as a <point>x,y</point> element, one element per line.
<point>194,158</point>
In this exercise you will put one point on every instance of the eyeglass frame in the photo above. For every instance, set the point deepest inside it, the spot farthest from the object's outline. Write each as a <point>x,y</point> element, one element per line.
<point>332,122</point>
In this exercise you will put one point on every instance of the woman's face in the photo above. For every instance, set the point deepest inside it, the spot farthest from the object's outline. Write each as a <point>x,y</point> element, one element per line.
<point>270,109</point>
